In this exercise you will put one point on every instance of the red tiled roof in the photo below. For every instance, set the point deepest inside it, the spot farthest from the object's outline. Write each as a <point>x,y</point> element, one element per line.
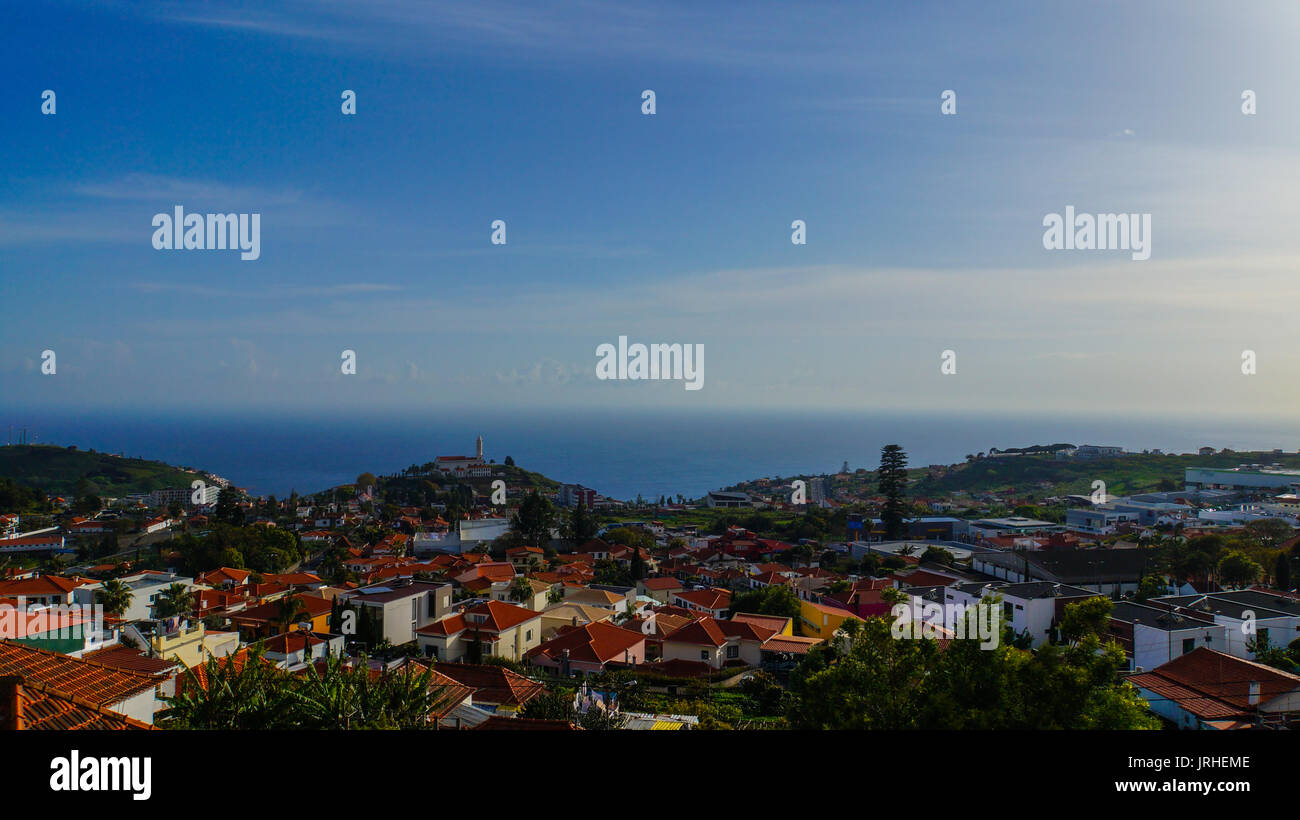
<point>661,583</point>
<point>790,643</point>
<point>40,585</point>
<point>596,642</point>
<point>270,612</point>
<point>495,571</point>
<point>291,578</point>
<point>704,632</point>
<point>922,578</point>
<point>775,623</point>
<point>131,660</point>
<point>1215,685</point>
<point>707,598</point>
<point>451,692</point>
<point>200,670</point>
<point>500,615</point>
<point>292,642</point>
<point>712,632</point>
<point>493,684</point>
<point>97,683</point>
<point>666,623</point>
<point>31,705</point>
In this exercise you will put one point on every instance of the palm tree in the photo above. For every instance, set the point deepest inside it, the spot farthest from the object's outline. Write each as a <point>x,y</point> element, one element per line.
<point>350,697</point>
<point>520,590</point>
<point>290,610</point>
<point>176,599</point>
<point>115,596</point>
<point>235,692</point>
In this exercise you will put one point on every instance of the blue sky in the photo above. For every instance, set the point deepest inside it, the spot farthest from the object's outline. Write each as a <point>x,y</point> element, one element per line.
<point>924,231</point>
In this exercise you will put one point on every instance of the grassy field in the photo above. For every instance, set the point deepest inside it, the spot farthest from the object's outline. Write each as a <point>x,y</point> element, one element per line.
<point>58,469</point>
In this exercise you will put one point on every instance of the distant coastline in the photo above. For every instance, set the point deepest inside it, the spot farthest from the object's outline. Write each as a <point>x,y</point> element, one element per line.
<point>620,455</point>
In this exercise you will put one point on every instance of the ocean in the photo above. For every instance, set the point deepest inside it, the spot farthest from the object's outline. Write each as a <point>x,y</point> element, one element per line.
<point>620,454</point>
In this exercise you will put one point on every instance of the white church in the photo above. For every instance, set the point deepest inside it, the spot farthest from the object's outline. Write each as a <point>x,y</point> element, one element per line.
<point>465,466</point>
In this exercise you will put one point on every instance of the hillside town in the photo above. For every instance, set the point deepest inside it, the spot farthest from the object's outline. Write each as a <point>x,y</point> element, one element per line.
<point>503,600</point>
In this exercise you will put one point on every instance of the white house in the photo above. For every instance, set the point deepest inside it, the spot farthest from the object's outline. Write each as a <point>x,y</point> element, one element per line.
<point>403,606</point>
<point>1033,608</point>
<point>1152,637</point>
<point>1247,614</point>
<point>146,589</point>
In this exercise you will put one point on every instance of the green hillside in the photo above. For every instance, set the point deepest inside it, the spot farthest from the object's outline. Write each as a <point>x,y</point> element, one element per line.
<point>59,469</point>
<point>1124,475</point>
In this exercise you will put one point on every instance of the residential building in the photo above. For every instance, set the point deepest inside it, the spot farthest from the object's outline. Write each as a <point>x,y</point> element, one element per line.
<point>564,614</point>
<point>1031,608</point>
<point>266,620</point>
<point>131,694</point>
<point>1111,572</point>
<point>491,628</point>
<point>191,643</point>
<point>713,601</point>
<point>818,620</point>
<point>296,649</point>
<point>661,589</point>
<point>146,588</point>
<point>590,648</point>
<point>1152,637</point>
<point>403,607</point>
<point>717,644</point>
<point>1207,689</point>
<point>496,689</point>
<point>1247,615</point>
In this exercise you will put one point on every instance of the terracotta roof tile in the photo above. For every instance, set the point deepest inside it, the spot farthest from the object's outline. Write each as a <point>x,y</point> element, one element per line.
<point>493,684</point>
<point>96,683</point>
<point>36,706</point>
<point>1212,684</point>
<point>596,642</point>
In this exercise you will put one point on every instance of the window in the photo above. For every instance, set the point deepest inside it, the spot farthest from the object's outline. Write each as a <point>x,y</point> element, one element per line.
<point>528,636</point>
<point>704,654</point>
<point>733,651</point>
<point>1188,645</point>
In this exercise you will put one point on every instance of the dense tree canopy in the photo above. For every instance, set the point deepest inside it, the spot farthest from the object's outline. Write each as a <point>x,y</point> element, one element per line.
<point>261,549</point>
<point>882,682</point>
<point>533,522</point>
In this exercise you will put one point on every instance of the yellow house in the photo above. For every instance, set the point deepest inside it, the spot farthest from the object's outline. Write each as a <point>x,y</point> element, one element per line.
<point>191,644</point>
<point>263,621</point>
<point>821,621</point>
